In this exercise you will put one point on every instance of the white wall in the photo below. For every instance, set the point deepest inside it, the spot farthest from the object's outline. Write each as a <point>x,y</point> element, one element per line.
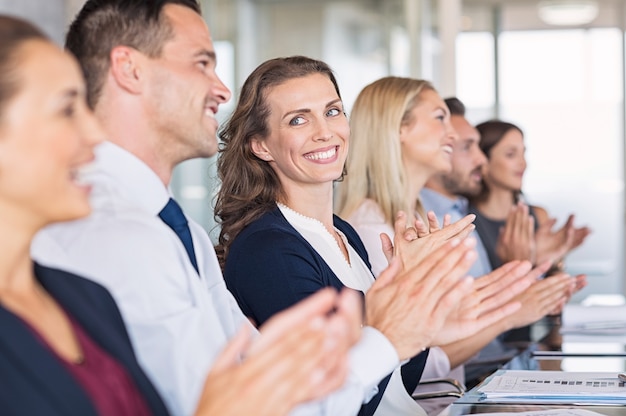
<point>49,15</point>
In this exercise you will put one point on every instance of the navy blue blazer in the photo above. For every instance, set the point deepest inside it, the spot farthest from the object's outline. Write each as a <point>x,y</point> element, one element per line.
<point>268,250</point>
<point>34,382</point>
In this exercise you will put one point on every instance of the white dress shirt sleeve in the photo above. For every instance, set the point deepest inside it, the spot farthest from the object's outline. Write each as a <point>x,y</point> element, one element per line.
<point>177,326</point>
<point>178,320</point>
<point>437,364</point>
<point>371,360</point>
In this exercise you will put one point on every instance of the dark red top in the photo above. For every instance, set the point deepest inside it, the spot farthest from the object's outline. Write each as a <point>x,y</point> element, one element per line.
<point>106,382</point>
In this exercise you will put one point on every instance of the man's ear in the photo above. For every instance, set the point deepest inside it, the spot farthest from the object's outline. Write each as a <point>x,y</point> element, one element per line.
<point>126,68</point>
<point>260,150</point>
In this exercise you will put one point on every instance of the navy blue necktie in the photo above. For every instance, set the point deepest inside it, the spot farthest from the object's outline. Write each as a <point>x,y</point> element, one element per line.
<point>173,216</point>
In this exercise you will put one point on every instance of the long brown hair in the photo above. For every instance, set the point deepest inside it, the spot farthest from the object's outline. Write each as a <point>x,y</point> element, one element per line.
<point>249,186</point>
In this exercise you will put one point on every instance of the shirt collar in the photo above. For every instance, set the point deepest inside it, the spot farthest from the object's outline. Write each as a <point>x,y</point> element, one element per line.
<point>131,177</point>
<point>439,203</point>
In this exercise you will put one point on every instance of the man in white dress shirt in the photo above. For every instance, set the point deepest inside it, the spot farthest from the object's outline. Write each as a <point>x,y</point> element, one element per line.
<point>150,70</point>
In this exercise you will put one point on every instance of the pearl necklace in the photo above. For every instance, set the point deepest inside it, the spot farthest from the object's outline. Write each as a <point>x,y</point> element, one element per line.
<point>334,237</point>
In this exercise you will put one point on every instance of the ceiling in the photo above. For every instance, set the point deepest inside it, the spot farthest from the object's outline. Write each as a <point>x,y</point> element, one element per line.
<point>523,15</point>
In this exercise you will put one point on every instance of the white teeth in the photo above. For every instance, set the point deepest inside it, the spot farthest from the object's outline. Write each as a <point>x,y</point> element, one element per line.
<point>322,155</point>
<point>447,149</point>
<point>209,113</point>
<point>81,175</point>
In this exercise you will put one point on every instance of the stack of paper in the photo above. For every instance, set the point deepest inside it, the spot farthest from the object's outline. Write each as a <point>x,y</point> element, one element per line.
<point>554,387</point>
<point>552,412</point>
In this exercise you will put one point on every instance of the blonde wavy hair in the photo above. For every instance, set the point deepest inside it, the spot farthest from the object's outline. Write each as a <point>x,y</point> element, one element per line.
<point>374,166</point>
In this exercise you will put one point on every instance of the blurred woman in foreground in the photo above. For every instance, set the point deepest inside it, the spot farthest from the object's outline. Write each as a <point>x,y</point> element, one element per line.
<point>63,345</point>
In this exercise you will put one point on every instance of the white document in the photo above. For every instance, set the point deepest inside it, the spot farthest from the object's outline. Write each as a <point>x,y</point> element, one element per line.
<point>554,387</point>
<point>553,412</point>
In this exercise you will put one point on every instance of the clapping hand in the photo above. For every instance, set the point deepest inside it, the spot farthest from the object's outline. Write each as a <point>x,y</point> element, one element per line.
<point>492,299</point>
<point>410,306</point>
<point>413,244</point>
<point>300,355</point>
<point>516,240</point>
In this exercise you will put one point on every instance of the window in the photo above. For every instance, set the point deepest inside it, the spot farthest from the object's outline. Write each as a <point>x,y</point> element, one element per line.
<point>564,88</point>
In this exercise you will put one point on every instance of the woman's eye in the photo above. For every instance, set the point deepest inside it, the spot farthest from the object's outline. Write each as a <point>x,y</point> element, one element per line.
<point>296,121</point>
<point>333,112</point>
<point>69,111</point>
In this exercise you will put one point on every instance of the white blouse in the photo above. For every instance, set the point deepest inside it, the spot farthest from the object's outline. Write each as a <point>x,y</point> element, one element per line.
<point>354,274</point>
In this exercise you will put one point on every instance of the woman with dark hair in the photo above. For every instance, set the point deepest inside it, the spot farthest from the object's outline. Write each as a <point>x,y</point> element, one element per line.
<point>64,348</point>
<point>501,195</point>
<point>283,148</point>
<point>508,186</point>
<point>503,144</point>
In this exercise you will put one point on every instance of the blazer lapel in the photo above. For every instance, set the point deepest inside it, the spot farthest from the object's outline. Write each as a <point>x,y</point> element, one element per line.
<point>87,307</point>
<point>93,308</point>
<point>23,353</point>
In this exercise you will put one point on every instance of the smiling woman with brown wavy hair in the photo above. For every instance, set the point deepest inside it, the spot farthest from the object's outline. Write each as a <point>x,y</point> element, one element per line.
<point>283,149</point>
<point>249,186</point>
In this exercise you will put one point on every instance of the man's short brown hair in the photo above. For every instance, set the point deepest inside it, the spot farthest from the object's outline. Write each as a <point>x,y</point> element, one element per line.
<point>101,25</point>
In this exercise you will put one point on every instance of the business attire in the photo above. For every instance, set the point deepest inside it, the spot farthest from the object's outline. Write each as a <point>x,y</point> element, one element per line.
<point>179,318</point>
<point>459,207</point>
<point>369,222</point>
<point>36,381</point>
<point>284,257</point>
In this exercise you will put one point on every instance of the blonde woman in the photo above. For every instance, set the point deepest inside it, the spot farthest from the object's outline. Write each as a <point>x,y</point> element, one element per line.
<point>401,135</point>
